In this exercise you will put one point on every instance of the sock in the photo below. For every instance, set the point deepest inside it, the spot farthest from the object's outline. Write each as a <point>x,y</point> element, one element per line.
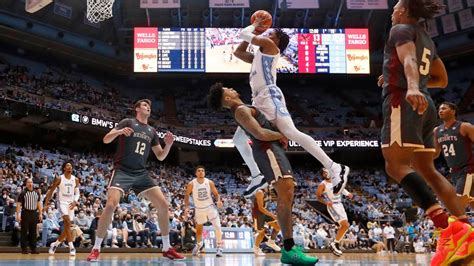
<point>241,142</point>
<point>71,245</point>
<point>439,218</point>
<point>166,242</point>
<point>288,244</point>
<point>98,243</point>
<point>57,243</point>
<point>336,241</point>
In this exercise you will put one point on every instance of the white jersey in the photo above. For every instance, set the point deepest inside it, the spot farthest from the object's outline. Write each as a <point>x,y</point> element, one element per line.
<point>202,194</point>
<point>263,72</point>
<point>328,188</point>
<point>66,189</point>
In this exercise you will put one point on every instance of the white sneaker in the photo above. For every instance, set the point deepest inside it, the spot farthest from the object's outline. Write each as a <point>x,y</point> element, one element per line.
<point>197,249</point>
<point>334,247</point>
<point>72,252</point>
<point>219,252</point>
<point>341,171</point>
<point>52,248</point>
<point>273,245</point>
<point>257,251</point>
<point>257,183</point>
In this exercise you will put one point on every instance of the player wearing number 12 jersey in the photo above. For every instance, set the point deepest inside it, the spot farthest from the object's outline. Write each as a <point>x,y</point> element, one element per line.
<point>135,140</point>
<point>454,140</point>
<point>411,66</point>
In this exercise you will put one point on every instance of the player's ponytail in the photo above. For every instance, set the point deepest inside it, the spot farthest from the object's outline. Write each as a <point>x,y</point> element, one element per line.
<point>423,8</point>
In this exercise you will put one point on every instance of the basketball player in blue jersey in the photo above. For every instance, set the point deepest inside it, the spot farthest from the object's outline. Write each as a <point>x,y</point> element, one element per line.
<point>135,141</point>
<point>268,150</point>
<point>454,140</point>
<point>268,99</point>
<point>411,66</point>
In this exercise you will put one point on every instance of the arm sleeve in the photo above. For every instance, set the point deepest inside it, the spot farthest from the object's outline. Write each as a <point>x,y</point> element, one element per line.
<point>246,34</point>
<point>345,192</point>
<point>122,124</point>
<point>401,34</point>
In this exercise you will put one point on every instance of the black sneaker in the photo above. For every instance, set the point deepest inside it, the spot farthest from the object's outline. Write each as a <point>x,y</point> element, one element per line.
<point>343,174</point>
<point>257,183</point>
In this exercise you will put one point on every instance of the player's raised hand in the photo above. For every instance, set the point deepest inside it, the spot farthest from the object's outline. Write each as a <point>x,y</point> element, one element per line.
<point>127,131</point>
<point>380,81</point>
<point>169,138</point>
<point>417,100</point>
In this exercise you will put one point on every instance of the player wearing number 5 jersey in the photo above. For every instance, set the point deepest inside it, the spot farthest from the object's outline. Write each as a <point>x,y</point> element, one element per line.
<point>135,140</point>
<point>201,189</point>
<point>454,140</point>
<point>411,66</point>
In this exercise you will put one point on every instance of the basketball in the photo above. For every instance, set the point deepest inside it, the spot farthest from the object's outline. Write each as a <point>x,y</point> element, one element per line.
<point>266,20</point>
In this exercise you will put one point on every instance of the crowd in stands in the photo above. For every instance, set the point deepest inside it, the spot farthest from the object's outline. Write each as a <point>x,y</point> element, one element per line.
<point>375,205</point>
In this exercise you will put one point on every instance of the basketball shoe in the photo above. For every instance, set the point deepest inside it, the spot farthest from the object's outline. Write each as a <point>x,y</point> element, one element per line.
<point>296,256</point>
<point>341,171</point>
<point>466,249</point>
<point>172,254</point>
<point>450,240</point>
<point>258,182</point>
<point>94,255</point>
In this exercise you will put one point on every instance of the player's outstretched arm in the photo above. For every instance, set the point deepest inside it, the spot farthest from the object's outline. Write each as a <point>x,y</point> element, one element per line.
<point>160,152</point>
<point>242,54</point>
<point>51,190</point>
<point>244,117</point>
<point>268,46</point>
<point>438,75</point>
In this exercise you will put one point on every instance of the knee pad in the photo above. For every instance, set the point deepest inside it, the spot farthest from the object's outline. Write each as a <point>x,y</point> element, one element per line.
<point>418,190</point>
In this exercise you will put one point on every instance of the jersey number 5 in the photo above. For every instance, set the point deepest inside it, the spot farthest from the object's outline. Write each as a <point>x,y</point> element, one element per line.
<point>449,151</point>
<point>140,148</point>
<point>425,62</point>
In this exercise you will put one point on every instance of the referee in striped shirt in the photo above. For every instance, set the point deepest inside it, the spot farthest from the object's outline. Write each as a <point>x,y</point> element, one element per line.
<point>29,204</point>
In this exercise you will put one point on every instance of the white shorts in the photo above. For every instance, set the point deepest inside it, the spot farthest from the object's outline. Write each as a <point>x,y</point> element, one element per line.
<point>64,210</point>
<point>270,101</point>
<point>207,214</point>
<point>337,212</point>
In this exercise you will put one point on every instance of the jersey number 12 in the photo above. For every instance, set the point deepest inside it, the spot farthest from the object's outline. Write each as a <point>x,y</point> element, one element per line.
<point>140,148</point>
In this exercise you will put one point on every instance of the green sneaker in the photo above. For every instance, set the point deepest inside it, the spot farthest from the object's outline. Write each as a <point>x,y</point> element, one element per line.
<point>296,257</point>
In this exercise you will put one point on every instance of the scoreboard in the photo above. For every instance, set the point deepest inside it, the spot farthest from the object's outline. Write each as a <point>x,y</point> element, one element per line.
<point>181,50</point>
<point>234,239</point>
<point>210,50</point>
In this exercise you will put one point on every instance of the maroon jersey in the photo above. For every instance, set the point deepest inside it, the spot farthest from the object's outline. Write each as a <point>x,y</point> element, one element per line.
<point>393,72</point>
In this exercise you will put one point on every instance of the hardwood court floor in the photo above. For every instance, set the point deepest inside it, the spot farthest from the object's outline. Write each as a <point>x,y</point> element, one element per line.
<point>115,259</point>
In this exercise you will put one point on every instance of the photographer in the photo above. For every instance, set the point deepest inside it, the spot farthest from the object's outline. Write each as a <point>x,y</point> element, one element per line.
<point>188,235</point>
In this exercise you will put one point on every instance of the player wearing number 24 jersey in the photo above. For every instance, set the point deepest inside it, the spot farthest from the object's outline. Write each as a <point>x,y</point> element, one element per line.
<point>454,140</point>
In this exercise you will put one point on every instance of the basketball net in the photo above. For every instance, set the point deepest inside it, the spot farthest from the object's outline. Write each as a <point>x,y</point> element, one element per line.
<point>99,10</point>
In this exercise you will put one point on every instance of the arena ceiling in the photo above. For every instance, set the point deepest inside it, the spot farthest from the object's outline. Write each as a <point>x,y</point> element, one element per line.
<point>196,13</point>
